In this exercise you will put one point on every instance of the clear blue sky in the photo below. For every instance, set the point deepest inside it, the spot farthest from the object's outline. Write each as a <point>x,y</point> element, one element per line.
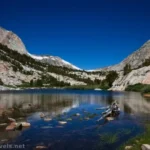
<point>88,33</point>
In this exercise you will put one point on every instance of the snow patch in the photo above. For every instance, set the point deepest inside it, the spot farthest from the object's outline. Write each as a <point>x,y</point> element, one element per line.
<point>37,57</point>
<point>90,70</point>
<point>65,62</point>
<point>54,59</point>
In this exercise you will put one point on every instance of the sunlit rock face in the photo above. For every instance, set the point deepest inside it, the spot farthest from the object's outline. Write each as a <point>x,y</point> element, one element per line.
<point>141,75</point>
<point>135,60</point>
<point>11,40</point>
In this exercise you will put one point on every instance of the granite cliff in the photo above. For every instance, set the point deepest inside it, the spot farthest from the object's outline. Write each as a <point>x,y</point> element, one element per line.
<point>139,73</point>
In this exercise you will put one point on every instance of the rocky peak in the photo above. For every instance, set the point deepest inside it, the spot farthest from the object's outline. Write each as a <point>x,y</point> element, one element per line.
<point>54,60</point>
<point>12,41</point>
<point>135,59</point>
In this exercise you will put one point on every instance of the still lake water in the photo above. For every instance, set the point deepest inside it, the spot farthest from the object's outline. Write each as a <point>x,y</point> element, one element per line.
<point>80,132</point>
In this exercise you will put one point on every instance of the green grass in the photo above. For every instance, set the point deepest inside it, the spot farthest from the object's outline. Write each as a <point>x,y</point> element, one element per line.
<point>143,88</point>
<point>137,141</point>
<point>109,138</point>
<point>124,131</point>
<point>83,87</point>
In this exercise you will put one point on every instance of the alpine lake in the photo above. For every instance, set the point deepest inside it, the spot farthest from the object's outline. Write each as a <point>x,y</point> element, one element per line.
<point>70,121</point>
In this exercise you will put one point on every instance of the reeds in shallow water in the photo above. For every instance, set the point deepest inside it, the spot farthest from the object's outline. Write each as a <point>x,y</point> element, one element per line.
<point>109,138</point>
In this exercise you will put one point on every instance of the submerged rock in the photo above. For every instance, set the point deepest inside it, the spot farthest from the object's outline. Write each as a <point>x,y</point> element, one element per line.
<point>86,118</point>
<point>42,115</point>
<point>4,140</point>
<point>77,114</point>
<point>69,119</point>
<point>47,119</point>
<point>11,127</point>
<point>46,127</point>
<point>62,122</point>
<point>110,118</point>
<point>128,147</point>
<point>145,147</point>
<point>3,124</point>
<point>41,147</point>
<point>25,124</point>
<point>18,126</point>
<point>59,126</point>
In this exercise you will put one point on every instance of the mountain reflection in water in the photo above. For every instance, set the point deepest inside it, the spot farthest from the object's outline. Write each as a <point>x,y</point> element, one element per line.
<point>54,103</point>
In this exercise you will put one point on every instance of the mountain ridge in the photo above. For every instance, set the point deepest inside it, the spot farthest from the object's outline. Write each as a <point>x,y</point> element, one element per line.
<point>13,42</point>
<point>135,59</point>
<point>22,68</point>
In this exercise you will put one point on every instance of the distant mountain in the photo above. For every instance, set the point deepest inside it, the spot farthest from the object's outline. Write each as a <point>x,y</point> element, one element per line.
<point>134,60</point>
<point>20,68</point>
<point>139,72</point>
<point>12,41</point>
<point>54,60</point>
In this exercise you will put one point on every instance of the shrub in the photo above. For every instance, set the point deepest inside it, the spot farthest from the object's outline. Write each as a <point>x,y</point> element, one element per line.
<point>127,69</point>
<point>136,87</point>
<point>1,82</point>
<point>146,89</point>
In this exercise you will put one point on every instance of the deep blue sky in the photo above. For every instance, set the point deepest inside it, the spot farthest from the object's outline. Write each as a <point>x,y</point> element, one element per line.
<point>88,33</point>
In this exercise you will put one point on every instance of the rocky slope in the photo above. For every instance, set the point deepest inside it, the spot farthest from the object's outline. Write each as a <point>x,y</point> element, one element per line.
<point>12,41</point>
<point>135,59</point>
<point>18,66</point>
<point>17,69</point>
<point>138,74</point>
<point>141,75</point>
<point>54,60</point>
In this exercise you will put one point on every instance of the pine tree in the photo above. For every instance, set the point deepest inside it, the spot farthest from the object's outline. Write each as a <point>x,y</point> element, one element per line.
<point>127,69</point>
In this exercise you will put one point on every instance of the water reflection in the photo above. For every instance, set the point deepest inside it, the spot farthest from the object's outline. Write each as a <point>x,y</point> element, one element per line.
<point>134,103</point>
<point>29,105</point>
<point>129,102</point>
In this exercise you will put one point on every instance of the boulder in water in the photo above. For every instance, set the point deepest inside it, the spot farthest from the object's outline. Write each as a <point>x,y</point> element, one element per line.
<point>145,147</point>
<point>18,126</point>
<point>11,127</point>
<point>25,124</point>
<point>42,115</point>
<point>41,147</point>
<point>109,118</point>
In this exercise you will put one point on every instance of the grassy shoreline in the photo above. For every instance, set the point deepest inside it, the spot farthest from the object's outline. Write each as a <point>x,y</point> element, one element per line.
<point>136,142</point>
<point>143,88</point>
